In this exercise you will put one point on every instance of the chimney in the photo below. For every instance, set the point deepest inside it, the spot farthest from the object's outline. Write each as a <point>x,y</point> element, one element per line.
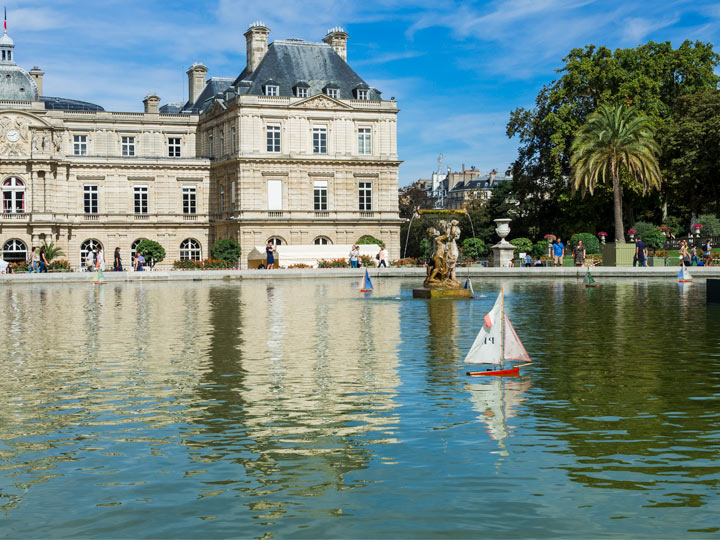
<point>256,38</point>
<point>37,74</point>
<point>152,104</point>
<point>196,81</point>
<point>337,39</point>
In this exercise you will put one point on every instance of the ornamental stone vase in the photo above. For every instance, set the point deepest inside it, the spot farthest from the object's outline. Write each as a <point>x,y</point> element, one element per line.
<point>503,251</point>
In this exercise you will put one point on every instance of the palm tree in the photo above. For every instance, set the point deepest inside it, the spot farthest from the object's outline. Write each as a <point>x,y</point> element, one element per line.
<point>52,251</point>
<point>616,140</point>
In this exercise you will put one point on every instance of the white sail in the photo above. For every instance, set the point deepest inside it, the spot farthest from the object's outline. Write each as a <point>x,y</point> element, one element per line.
<point>684,274</point>
<point>487,347</point>
<point>514,349</point>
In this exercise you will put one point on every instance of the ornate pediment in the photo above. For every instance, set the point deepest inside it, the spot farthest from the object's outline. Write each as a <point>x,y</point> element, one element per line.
<point>321,101</point>
<point>21,134</point>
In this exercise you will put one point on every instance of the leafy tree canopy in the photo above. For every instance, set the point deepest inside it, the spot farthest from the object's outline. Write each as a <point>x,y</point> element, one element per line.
<point>152,251</point>
<point>227,250</point>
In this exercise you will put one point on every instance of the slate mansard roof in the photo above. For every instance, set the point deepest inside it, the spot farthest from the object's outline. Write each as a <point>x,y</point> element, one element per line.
<point>290,63</point>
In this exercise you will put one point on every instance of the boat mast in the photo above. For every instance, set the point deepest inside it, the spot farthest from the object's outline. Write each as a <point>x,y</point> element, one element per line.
<point>502,326</point>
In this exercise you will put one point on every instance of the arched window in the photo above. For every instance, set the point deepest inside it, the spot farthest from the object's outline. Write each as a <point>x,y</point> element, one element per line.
<point>322,241</point>
<point>276,241</point>
<point>87,247</point>
<point>133,247</point>
<point>13,191</point>
<point>190,250</point>
<point>14,251</point>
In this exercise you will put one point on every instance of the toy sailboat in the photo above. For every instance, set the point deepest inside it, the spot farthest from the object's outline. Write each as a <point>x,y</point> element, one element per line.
<point>468,285</point>
<point>365,284</point>
<point>100,278</point>
<point>589,280</point>
<point>684,275</point>
<point>497,343</point>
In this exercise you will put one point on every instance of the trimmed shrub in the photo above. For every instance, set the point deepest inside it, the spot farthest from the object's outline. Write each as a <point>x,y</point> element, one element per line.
<point>187,264</point>
<point>650,234</point>
<point>522,245</point>
<point>710,225</point>
<point>59,265</point>
<point>152,251</point>
<point>590,241</point>
<point>227,250</point>
<point>215,264</point>
<point>335,263</point>
<point>540,249</point>
<point>473,248</point>
<point>367,239</point>
<point>366,260</point>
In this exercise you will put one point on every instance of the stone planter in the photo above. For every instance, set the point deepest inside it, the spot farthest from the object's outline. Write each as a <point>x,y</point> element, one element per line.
<point>615,254</point>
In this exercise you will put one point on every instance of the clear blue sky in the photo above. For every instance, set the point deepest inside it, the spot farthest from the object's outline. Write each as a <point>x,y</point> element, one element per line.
<point>456,68</point>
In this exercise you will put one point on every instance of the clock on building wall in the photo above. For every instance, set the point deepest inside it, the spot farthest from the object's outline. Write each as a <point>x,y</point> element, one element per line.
<point>12,135</point>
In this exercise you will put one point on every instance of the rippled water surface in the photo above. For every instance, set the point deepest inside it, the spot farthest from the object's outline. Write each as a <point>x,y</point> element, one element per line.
<point>302,409</point>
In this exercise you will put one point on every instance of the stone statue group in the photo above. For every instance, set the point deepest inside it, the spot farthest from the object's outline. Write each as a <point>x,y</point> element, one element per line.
<point>443,256</point>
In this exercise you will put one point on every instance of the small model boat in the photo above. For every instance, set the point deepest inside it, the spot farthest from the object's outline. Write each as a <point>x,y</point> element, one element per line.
<point>366,285</point>
<point>100,278</point>
<point>497,343</point>
<point>468,285</point>
<point>589,281</point>
<point>684,275</point>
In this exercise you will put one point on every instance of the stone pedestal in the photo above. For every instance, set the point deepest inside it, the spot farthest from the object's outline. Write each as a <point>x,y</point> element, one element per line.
<point>441,293</point>
<point>503,253</point>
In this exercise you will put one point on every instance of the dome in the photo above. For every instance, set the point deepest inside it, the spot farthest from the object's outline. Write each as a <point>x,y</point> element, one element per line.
<point>6,41</point>
<point>16,84</point>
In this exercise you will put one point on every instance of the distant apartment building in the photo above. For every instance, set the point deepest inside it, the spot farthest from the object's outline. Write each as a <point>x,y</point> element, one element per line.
<point>454,190</point>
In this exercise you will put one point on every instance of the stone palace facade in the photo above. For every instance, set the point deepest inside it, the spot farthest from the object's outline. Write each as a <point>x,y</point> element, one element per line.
<point>297,149</point>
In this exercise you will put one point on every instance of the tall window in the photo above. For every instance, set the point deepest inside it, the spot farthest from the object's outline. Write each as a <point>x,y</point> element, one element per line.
<point>321,195</point>
<point>275,241</point>
<point>221,200</point>
<point>273,138</point>
<point>190,250</point>
<point>80,145</point>
<point>211,145</point>
<point>87,247</point>
<point>189,200</point>
<point>364,141</point>
<point>174,147</point>
<point>13,191</point>
<point>222,142</point>
<point>319,140</point>
<point>90,199</point>
<point>233,140</point>
<point>140,199</point>
<point>14,251</point>
<point>365,196</point>
<point>233,186</point>
<point>128,146</point>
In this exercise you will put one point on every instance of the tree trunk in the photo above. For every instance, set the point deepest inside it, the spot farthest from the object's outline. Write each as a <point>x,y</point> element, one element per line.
<point>617,198</point>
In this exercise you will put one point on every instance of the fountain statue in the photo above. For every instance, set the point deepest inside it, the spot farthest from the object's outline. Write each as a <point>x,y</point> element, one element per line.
<point>441,280</point>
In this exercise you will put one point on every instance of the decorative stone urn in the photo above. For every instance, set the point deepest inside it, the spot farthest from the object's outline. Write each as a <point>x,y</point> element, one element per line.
<point>503,251</point>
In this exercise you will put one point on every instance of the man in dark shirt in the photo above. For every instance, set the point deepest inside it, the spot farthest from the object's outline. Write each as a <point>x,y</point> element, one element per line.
<point>640,252</point>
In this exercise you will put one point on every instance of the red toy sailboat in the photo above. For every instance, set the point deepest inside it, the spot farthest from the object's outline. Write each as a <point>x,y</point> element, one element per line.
<point>497,344</point>
<point>366,285</point>
<point>684,275</point>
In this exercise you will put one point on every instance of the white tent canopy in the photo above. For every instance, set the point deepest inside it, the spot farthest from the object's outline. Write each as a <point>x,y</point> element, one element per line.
<point>308,254</point>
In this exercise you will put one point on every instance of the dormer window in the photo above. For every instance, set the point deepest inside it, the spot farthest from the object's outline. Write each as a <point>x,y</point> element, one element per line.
<point>301,92</point>
<point>362,93</point>
<point>272,90</point>
<point>331,92</point>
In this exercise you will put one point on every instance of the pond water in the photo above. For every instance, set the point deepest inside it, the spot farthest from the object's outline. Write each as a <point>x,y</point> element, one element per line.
<point>303,409</point>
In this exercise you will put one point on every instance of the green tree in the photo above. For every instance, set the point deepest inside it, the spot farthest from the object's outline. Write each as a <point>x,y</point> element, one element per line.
<point>52,251</point>
<point>367,239</point>
<point>616,142</point>
<point>522,245</point>
<point>413,199</point>
<point>710,223</point>
<point>590,241</point>
<point>152,251</point>
<point>227,250</point>
<point>652,77</point>
<point>650,234</point>
<point>473,248</point>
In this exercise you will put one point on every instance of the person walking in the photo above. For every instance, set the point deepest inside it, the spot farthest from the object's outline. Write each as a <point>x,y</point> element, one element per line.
<point>579,254</point>
<point>354,256</point>
<point>139,262</point>
<point>684,253</point>
<point>382,257</point>
<point>33,262</point>
<point>90,260</point>
<point>640,252</point>
<point>117,261</point>
<point>558,249</point>
<point>708,252</point>
<point>693,256</point>
<point>44,265</point>
<point>270,255</point>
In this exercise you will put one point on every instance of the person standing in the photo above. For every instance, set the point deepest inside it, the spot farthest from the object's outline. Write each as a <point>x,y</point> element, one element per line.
<point>139,262</point>
<point>640,251</point>
<point>693,256</point>
<point>100,259</point>
<point>32,262</point>
<point>708,252</point>
<point>579,254</point>
<point>270,255</point>
<point>382,256</point>
<point>44,265</point>
<point>558,252</point>
<point>117,261</point>
<point>354,255</point>
<point>90,260</point>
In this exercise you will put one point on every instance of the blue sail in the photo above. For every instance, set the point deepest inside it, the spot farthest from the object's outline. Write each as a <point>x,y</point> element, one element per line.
<point>367,284</point>
<point>467,283</point>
